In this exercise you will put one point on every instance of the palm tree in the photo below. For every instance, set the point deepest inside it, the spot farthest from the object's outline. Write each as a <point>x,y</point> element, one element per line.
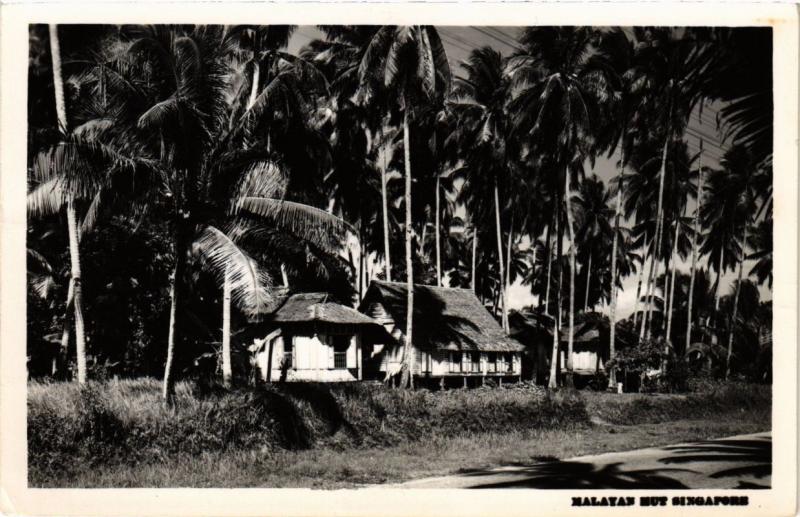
<point>258,47</point>
<point>623,120</point>
<point>189,153</point>
<point>414,64</point>
<point>75,292</point>
<point>736,197</point>
<point>339,56</point>
<point>479,100</point>
<point>672,69</point>
<point>720,245</point>
<point>741,79</point>
<point>695,235</point>
<point>761,242</point>
<point>593,215</point>
<point>560,87</point>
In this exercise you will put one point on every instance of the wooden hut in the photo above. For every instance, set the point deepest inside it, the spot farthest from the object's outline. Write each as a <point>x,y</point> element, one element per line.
<point>590,344</point>
<point>311,338</point>
<point>455,337</point>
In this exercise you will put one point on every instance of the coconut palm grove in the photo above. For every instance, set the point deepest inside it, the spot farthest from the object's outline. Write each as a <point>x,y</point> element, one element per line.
<point>596,201</point>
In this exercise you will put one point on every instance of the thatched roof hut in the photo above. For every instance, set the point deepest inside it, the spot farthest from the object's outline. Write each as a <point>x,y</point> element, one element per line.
<point>318,308</point>
<point>445,318</point>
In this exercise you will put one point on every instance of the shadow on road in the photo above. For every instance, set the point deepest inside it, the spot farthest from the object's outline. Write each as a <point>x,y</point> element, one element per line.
<point>576,474</point>
<point>755,453</point>
<point>744,458</point>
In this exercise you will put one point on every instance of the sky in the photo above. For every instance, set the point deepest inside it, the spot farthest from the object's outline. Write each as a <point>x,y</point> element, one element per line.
<point>460,41</point>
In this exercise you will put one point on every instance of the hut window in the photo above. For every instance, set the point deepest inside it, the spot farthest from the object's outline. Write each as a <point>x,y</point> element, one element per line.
<point>501,363</point>
<point>288,352</point>
<point>423,361</point>
<point>491,364</point>
<point>509,362</point>
<point>340,346</point>
<point>475,359</point>
<point>455,362</point>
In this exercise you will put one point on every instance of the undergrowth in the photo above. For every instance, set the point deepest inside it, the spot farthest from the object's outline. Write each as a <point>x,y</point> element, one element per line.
<point>124,422</point>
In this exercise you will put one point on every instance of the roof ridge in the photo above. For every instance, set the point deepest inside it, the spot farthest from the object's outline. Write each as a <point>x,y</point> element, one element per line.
<point>403,284</point>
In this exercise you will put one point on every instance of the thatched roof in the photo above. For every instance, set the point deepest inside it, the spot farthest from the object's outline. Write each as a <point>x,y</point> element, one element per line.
<point>445,318</point>
<point>317,308</point>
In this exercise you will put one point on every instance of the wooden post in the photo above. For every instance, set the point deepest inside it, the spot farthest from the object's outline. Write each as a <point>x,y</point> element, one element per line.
<point>441,383</point>
<point>500,381</point>
<point>465,381</point>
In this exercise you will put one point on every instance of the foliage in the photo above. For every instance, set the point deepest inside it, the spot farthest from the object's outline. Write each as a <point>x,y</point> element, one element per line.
<point>218,142</point>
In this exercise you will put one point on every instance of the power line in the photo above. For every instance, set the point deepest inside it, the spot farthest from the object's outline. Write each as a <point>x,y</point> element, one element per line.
<point>470,45</point>
<point>706,152</point>
<point>454,41</point>
<point>502,41</point>
<point>513,39</point>
<point>706,140</point>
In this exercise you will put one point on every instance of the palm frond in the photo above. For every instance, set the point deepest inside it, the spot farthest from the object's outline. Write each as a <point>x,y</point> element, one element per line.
<point>250,285</point>
<point>295,217</point>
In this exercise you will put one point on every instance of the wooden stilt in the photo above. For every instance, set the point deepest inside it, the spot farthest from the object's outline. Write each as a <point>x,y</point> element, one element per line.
<point>465,381</point>
<point>500,381</point>
<point>441,383</point>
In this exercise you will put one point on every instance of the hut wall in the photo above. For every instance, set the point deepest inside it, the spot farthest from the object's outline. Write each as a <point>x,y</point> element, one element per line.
<point>313,358</point>
<point>584,359</point>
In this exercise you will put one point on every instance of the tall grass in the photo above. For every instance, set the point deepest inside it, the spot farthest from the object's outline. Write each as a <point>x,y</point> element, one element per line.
<point>124,422</point>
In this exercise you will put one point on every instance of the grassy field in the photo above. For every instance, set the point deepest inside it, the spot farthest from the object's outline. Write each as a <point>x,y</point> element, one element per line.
<point>321,436</point>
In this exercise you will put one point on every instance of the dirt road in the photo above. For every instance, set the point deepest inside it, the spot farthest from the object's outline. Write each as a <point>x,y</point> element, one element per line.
<point>736,462</point>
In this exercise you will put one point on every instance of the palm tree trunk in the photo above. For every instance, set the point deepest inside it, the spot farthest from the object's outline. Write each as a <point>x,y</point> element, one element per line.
<point>547,254</point>
<point>227,371</point>
<point>72,226</point>
<point>284,276</point>
<point>384,201</point>
<point>588,282</point>
<point>63,356</point>
<point>550,259</point>
<point>438,244</point>
<point>474,256</point>
<point>499,251</point>
<point>612,324</point>
<point>717,283</point>
<point>507,280</point>
<point>648,288</point>
<point>735,305</point>
<point>572,250</point>
<point>672,282</point>
<point>665,293</point>
<point>695,230</point>
<point>659,221</point>
<point>639,283</point>
<point>175,318</point>
<point>714,338</point>
<point>75,264</point>
<point>553,381</point>
<point>407,378</point>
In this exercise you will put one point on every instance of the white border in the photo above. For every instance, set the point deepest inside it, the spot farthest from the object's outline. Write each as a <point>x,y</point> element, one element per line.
<point>15,497</point>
